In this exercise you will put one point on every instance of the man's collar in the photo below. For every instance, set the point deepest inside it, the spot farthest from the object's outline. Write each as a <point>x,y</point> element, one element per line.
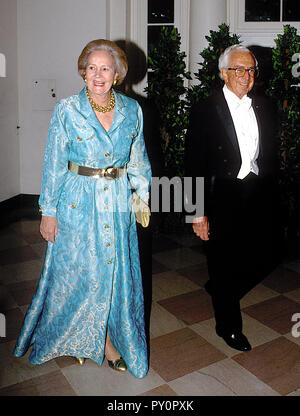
<point>234,100</point>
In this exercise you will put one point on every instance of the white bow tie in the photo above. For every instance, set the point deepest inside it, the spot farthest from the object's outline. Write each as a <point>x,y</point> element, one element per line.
<point>245,103</point>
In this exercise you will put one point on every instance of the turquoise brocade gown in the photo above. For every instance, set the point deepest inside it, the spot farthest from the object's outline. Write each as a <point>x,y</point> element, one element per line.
<point>91,280</point>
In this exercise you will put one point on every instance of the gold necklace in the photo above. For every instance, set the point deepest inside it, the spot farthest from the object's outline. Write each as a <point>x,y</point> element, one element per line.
<point>98,107</point>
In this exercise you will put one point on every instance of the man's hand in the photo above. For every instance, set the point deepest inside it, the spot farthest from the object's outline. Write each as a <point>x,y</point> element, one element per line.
<point>49,228</point>
<point>201,227</point>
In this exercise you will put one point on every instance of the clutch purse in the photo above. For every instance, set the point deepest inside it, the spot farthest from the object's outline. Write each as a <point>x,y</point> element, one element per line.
<point>141,210</point>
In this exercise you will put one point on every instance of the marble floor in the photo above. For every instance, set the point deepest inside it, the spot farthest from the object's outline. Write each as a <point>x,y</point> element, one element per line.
<point>186,356</point>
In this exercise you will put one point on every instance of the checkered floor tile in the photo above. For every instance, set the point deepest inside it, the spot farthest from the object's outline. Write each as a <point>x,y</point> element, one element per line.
<point>186,356</point>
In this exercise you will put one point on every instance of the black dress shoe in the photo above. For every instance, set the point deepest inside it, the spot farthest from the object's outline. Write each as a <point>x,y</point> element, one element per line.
<point>236,340</point>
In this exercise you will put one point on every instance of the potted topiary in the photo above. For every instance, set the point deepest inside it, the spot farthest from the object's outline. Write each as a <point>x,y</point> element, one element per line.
<point>166,89</point>
<point>208,74</point>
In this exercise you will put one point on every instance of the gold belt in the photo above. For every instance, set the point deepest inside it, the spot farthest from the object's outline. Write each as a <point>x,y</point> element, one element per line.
<point>110,172</point>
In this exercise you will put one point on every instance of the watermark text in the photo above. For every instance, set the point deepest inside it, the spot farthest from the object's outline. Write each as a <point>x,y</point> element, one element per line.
<point>296,327</point>
<point>296,67</point>
<point>2,326</point>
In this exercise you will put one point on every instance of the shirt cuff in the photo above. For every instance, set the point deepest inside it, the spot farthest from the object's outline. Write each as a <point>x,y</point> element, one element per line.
<point>47,211</point>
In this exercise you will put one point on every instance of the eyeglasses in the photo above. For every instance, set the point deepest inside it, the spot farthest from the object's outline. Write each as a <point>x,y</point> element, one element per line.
<point>240,71</point>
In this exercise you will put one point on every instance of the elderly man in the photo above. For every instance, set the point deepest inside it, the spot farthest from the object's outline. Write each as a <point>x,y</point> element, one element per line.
<point>231,142</point>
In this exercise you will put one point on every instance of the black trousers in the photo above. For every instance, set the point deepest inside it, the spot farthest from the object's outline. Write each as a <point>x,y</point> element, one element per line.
<point>243,246</point>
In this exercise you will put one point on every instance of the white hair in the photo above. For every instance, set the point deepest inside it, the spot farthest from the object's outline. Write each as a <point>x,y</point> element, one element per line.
<point>224,57</point>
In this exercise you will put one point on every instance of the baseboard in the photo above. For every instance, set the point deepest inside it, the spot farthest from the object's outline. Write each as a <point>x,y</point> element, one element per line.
<point>17,207</point>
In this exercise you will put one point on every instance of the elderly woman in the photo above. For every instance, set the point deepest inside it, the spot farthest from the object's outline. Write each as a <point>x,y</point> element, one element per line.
<point>89,301</point>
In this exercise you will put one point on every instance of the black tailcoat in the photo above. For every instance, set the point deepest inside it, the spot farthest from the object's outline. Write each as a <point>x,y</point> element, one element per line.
<point>243,244</point>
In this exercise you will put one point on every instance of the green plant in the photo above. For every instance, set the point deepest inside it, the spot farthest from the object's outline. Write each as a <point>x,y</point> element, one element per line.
<point>284,89</point>
<point>208,73</point>
<point>167,90</point>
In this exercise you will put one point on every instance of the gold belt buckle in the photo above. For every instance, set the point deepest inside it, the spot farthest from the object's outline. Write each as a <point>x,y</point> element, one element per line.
<point>111,172</point>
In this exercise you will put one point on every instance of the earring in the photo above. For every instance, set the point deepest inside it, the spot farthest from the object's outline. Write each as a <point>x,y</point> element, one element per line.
<point>115,82</point>
<point>84,79</point>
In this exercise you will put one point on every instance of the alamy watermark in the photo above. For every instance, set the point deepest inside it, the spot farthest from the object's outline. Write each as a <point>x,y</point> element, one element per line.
<point>2,325</point>
<point>296,327</point>
<point>296,67</point>
<point>2,65</point>
<point>184,191</point>
<point>175,194</point>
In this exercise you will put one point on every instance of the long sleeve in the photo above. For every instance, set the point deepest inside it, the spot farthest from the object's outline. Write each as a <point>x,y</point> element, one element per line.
<point>55,163</point>
<point>138,168</point>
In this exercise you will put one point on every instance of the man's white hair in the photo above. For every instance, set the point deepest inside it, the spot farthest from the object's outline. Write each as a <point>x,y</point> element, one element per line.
<point>224,57</point>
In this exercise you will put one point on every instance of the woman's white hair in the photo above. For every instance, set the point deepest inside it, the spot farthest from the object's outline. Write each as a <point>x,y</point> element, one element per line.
<point>224,57</point>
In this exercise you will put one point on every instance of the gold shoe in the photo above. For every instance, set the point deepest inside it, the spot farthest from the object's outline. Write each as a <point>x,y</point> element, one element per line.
<point>118,365</point>
<point>80,360</point>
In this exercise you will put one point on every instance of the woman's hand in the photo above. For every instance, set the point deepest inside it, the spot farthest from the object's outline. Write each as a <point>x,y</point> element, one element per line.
<point>201,227</point>
<point>49,228</point>
<point>141,208</point>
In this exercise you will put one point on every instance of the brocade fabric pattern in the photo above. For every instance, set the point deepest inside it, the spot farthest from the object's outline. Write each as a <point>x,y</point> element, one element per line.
<point>91,280</point>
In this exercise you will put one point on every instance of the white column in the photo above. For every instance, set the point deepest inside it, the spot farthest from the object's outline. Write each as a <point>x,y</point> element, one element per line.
<point>205,15</point>
<point>116,12</point>
<point>137,13</point>
<point>9,139</point>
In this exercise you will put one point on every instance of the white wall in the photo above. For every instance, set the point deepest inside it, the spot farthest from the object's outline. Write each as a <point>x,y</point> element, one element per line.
<point>51,36</point>
<point>42,40</point>
<point>9,140</point>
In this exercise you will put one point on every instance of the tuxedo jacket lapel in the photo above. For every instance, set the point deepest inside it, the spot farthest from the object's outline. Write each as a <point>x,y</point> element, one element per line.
<point>225,116</point>
<point>257,111</point>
